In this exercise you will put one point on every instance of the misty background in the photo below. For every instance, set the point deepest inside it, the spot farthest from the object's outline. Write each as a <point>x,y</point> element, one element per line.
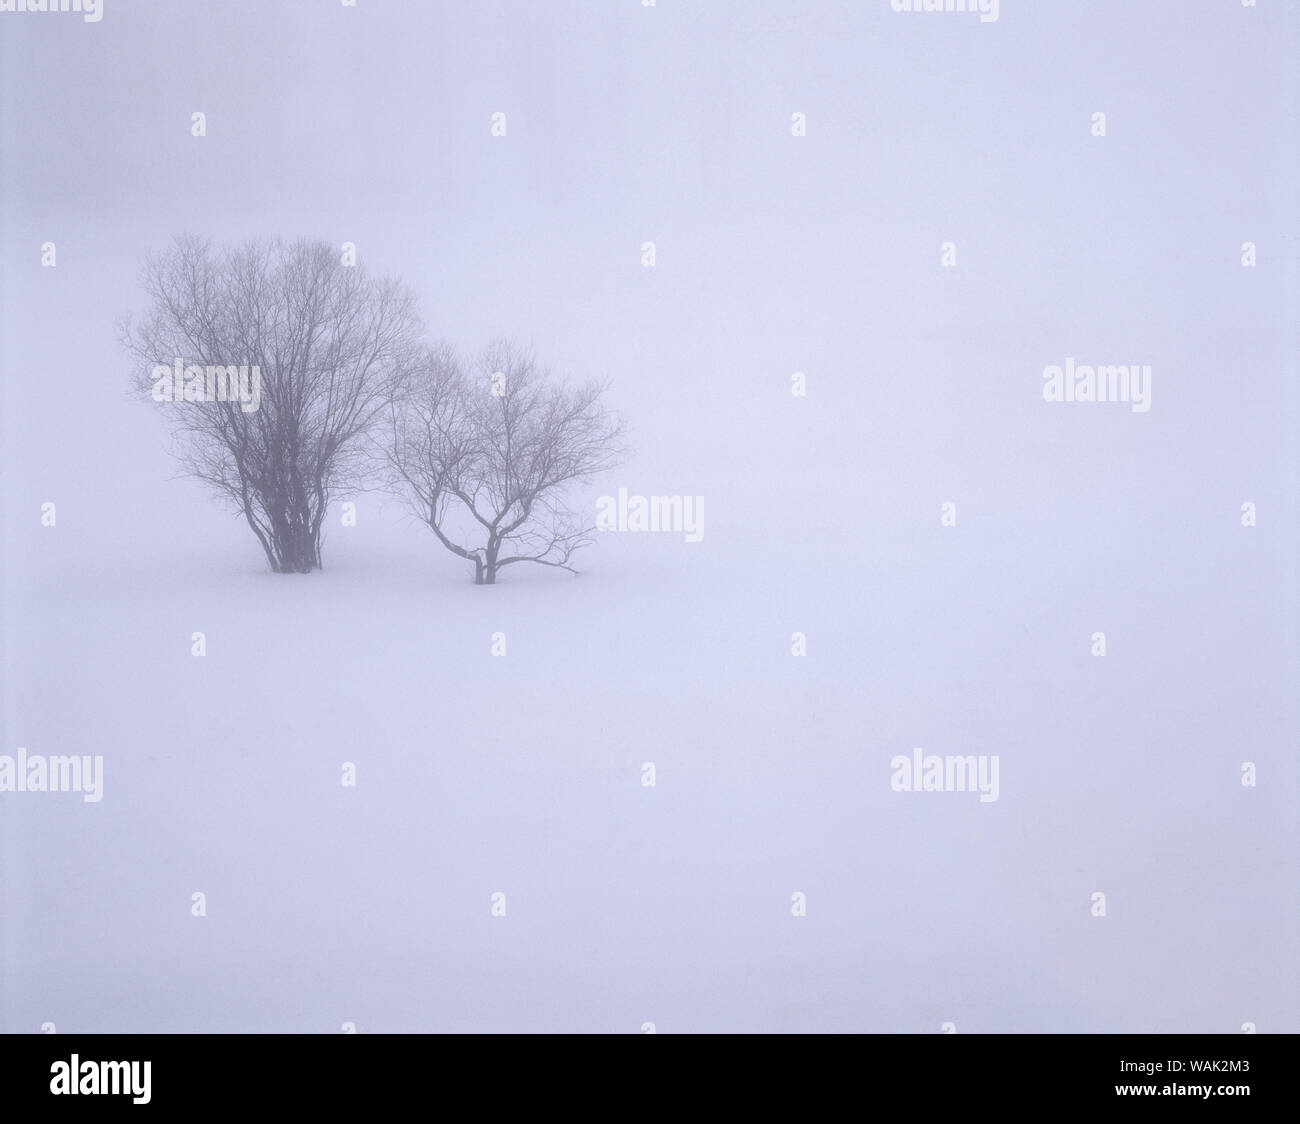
<point>774,254</point>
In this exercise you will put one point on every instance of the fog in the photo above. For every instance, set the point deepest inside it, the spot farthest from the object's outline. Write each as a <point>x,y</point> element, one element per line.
<point>773,877</point>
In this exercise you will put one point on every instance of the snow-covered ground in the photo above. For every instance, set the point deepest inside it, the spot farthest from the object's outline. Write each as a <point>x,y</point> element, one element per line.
<point>626,903</point>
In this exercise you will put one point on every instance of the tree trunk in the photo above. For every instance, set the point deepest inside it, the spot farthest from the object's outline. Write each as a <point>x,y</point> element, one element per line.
<point>294,546</point>
<point>302,552</point>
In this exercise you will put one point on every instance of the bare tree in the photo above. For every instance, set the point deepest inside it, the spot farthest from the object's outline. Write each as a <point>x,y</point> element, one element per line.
<point>332,347</point>
<point>484,458</point>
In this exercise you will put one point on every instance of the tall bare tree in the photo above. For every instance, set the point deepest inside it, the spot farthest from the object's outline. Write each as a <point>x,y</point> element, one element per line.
<point>333,347</point>
<point>484,456</point>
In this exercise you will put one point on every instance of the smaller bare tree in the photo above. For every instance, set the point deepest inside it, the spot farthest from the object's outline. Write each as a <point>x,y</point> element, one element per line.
<point>484,458</point>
